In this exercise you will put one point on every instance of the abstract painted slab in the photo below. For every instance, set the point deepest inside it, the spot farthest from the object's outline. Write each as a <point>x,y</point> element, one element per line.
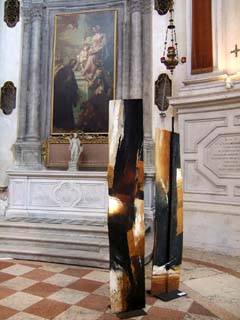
<point>167,255</point>
<point>126,205</point>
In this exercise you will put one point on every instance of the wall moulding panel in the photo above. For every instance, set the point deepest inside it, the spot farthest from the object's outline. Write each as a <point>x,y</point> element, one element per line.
<point>210,152</point>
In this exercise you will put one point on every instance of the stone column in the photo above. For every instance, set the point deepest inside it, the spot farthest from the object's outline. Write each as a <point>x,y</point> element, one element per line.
<point>147,6</point>
<point>32,133</point>
<point>28,146</point>
<point>24,74</point>
<point>22,107</point>
<point>136,50</point>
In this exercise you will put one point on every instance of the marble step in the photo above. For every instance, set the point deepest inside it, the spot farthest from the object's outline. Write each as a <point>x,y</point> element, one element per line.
<point>81,243</point>
<point>62,243</point>
<point>74,257</point>
<point>54,229</point>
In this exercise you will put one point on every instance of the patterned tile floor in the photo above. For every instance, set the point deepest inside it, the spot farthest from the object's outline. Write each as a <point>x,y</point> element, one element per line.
<point>39,290</point>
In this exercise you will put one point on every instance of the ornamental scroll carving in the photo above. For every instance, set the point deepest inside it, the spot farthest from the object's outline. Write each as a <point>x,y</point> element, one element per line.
<point>11,12</point>
<point>8,97</point>
<point>162,6</point>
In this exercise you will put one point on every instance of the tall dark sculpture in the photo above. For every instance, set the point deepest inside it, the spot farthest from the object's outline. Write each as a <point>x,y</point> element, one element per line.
<point>167,256</point>
<point>126,206</point>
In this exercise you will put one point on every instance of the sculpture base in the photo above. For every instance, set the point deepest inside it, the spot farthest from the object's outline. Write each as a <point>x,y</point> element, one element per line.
<point>72,166</point>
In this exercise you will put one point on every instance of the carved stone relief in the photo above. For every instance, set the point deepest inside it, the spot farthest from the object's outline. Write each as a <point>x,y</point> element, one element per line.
<point>8,97</point>
<point>162,6</point>
<point>223,156</point>
<point>11,12</point>
<point>203,127</point>
<point>67,194</point>
<point>163,90</point>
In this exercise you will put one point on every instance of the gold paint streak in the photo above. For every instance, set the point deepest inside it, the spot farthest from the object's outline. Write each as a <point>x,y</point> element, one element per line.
<point>179,202</point>
<point>159,284</point>
<point>173,282</point>
<point>140,174</point>
<point>131,243</point>
<point>162,157</point>
<point>110,176</point>
<point>139,228</point>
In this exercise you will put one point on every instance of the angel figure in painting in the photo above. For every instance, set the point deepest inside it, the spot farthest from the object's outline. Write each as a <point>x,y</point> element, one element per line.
<point>75,147</point>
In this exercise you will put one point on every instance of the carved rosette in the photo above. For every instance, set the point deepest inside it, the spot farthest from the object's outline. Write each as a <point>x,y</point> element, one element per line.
<point>11,12</point>
<point>162,6</point>
<point>8,97</point>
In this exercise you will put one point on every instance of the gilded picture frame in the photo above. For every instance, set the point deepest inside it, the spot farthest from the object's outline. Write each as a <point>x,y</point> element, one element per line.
<point>83,72</point>
<point>56,153</point>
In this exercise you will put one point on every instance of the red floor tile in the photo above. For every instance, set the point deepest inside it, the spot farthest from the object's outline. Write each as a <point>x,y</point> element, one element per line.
<point>109,317</point>
<point>5,312</point>
<point>42,289</point>
<point>5,276</point>
<point>6,264</point>
<point>5,292</point>
<point>38,274</point>
<point>33,264</point>
<point>85,285</point>
<point>76,272</point>
<point>95,302</point>
<point>47,308</point>
<point>164,314</point>
<point>150,300</point>
<point>198,309</point>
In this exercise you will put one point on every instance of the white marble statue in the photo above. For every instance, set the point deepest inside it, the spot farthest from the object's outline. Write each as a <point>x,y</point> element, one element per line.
<point>76,149</point>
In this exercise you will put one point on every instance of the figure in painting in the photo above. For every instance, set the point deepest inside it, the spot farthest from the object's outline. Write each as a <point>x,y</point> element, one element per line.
<point>92,59</point>
<point>66,97</point>
<point>95,53</point>
<point>89,38</point>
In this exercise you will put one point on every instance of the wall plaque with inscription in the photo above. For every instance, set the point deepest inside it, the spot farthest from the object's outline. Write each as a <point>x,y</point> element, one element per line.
<point>223,155</point>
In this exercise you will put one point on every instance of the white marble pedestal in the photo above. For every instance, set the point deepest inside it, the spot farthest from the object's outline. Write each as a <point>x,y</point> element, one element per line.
<point>80,195</point>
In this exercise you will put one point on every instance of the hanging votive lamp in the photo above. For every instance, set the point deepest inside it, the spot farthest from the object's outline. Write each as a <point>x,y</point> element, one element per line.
<point>170,54</point>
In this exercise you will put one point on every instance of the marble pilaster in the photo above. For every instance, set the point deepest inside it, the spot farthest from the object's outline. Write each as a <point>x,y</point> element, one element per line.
<point>28,146</point>
<point>32,133</point>
<point>24,76</point>
<point>147,103</point>
<point>136,50</point>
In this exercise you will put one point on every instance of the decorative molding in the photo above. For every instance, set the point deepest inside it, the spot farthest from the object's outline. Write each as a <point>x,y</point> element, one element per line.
<point>8,97</point>
<point>162,6</point>
<point>236,120</point>
<point>11,12</point>
<point>67,194</point>
<point>147,6</point>
<point>26,14</point>
<point>223,155</point>
<point>136,6</point>
<point>37,12</point>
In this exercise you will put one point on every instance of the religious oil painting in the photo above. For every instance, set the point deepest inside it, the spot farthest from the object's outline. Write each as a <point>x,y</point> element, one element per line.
<point>84,71</point>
